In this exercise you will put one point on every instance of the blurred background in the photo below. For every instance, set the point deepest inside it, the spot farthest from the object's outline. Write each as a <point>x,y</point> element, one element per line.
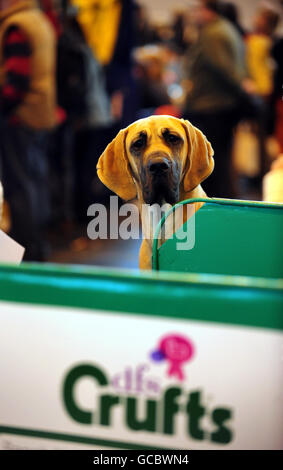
<point>74,72</point>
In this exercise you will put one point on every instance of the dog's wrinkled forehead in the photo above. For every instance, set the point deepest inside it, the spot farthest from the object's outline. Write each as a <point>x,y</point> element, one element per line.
<point>153,129</point>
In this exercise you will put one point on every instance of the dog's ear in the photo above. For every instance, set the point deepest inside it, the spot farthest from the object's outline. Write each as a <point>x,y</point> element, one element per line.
<point>113,168</point>
<point>200,162</point>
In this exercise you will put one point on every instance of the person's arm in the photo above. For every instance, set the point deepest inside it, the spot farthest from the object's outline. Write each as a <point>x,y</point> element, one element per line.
<point>17,70</point>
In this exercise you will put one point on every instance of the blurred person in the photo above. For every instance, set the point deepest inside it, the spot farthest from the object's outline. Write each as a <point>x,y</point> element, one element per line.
<point>120,79</point>
<point>258,49</point>
<point>145,32</point>
<point>277,54</point>
<point>152,91</point>
<point>100,21</point>
<point>179,26</point>
<point>27,108</point>
<point>110,30</point>
<point>216,70</point>
<point>61,139</point>
<point>277,101</point>
<point>230,12</point>
<point>51,10</point>
<point>77,146</point>
<point>261,71</point>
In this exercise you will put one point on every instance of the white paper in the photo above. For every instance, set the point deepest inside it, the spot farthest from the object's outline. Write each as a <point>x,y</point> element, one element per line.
<point>10,251</point>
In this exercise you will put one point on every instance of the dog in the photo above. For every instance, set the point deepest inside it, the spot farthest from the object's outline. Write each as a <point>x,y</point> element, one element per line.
<point>159,159</point>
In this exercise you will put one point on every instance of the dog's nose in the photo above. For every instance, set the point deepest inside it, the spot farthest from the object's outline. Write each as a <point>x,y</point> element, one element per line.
<point>158,166</point>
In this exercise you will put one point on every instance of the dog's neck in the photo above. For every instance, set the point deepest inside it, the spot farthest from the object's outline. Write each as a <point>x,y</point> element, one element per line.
<point>144,209</point>
<point>195,193</point>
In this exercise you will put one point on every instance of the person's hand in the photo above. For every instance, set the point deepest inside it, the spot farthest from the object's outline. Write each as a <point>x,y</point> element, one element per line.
<point>249,86</point>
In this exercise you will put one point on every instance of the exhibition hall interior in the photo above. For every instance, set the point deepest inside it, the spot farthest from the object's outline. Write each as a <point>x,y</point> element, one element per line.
<point>106,66</point>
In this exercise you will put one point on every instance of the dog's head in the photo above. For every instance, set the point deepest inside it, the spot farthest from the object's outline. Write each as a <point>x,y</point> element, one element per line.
<point>158,155</point>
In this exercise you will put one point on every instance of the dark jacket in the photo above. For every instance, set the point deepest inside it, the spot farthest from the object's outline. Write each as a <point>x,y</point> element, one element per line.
<point>216,67</point>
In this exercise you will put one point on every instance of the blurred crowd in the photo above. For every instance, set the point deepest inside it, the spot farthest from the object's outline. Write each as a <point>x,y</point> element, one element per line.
<point>73,72</point>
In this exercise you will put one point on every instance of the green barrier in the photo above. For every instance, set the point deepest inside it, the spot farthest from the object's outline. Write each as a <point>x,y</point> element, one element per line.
<point>231,237</point>
<point>103,359</point>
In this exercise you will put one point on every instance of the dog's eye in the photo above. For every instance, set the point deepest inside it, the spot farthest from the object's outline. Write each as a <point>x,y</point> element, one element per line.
<point>138,144</point>
<point>172,138</point>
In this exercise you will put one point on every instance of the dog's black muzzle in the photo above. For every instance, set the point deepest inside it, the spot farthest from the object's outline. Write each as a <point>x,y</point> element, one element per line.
<point>160,181</point>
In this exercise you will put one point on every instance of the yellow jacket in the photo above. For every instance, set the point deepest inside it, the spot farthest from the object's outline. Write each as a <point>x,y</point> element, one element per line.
<point>100,21</point>
<point>259,63</point>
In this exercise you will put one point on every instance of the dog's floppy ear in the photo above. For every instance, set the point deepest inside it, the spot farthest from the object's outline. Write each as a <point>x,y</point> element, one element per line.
<point>200,163</point>
<point>113,168</point>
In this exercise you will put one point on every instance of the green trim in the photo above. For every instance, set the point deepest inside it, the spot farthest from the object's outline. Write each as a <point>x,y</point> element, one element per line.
<point>131,275</point>
<point>223,202</point>
<point>74,438</point>
<point>210,298</point>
